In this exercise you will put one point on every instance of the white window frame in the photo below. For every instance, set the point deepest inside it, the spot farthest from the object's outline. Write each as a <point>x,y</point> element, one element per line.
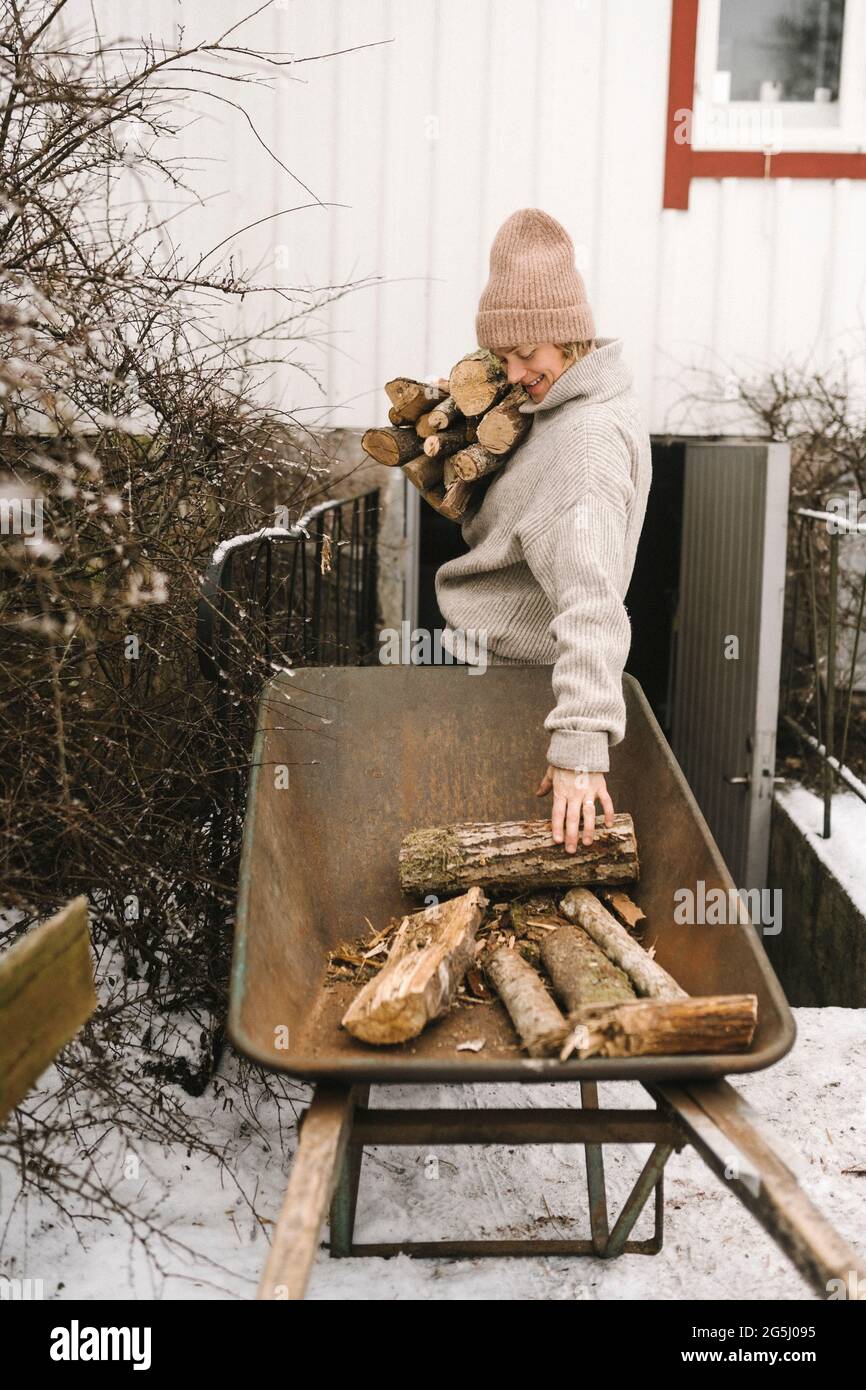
<point>777,126</point>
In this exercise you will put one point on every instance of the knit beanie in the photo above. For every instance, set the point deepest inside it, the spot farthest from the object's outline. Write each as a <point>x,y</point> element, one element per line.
<point>535,293</point>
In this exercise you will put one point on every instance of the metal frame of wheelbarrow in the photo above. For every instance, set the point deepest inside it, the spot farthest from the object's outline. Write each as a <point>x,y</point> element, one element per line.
<point>711,1116</point>
<point>373,752</point>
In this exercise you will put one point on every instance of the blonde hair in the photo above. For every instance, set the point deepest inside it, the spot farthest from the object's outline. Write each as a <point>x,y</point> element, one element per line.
<point>571,351</point>
<point>574,351</point>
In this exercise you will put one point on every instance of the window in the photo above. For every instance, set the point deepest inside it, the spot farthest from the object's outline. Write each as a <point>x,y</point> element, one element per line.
<point>780,75</point>
<point>765,89</point>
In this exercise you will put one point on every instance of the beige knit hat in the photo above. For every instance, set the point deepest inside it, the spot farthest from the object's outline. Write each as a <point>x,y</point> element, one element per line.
<point>535,293</point>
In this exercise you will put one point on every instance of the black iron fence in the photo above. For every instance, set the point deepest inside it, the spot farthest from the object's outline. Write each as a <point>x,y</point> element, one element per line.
<point>816,570</point>
<point>275,600</point>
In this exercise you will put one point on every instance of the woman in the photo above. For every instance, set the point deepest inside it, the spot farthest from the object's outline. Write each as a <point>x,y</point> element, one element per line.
<point>553,539</point>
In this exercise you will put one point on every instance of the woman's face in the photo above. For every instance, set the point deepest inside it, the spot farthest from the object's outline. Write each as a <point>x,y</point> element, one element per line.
<point>534,366</point>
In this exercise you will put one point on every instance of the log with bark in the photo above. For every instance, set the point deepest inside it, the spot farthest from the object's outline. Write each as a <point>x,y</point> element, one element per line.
<point>444,442</point>
<point>393,445</point>
<point>580,971</point>
<point>456,499</point>
<point>514,855</point>
<point>445,414</point>
<point>424,473</point>
<point>536,1018</point>
<point>411,399</point>
<point>502,428</point>
<point>647,975</point>
<point>430,954</point>
<point>654,1027</point>
<point>478,382</point>
<point>475,461</point>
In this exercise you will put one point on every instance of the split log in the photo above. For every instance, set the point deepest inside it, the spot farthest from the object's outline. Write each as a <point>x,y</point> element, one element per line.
<point>503,427</point>
<point>392,445</point>
<point>478,382</point>
<point>449,477</point>
<point>445,442</point>
<point>649,978</point>
<point>475,461</point>
<point>539,1023</point>
<point>395,417</point>
<point>456,499</point>
<point>412,399</point>
<point>624,909</point>
<point>430,954</point>
<point>515,856</point>
<point>424,473</point>
<point>649,1027</point>
<point>581,972</point>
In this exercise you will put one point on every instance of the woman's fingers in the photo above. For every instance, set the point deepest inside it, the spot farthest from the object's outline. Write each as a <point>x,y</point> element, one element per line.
<point>572,823</point>
<point>557,816</point>
<point>604,798</point>
<point>545,784</point>
<point>588,808</point>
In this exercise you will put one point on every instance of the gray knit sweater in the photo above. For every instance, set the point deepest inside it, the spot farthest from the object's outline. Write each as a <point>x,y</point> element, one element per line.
<point>552,549</point>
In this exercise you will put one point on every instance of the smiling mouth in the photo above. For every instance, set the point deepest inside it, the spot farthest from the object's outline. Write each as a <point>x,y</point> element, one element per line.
<point>532,384</point>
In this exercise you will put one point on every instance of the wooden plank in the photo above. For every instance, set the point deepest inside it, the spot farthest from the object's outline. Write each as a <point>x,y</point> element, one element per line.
<point>46,993</point>
<point>316,1168</point>
<point>734,1140</point>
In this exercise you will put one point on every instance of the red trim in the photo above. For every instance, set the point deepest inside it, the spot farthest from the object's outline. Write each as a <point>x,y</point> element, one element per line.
<point>682,163</point>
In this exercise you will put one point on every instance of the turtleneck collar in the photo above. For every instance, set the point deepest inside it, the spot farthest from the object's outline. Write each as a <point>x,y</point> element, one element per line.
<point>596,377</point>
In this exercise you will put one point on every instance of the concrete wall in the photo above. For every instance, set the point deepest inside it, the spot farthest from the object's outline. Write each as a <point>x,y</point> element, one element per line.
<point>820,953</point>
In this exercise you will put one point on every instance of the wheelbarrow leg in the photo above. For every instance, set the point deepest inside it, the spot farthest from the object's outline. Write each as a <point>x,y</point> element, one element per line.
<point>345,1197</point>
<point>594,1154</point>
<point>322,1145</point>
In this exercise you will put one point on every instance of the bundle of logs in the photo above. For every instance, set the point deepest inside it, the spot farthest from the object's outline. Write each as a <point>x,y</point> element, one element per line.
<point>590,988</point>
<point>449,442</point>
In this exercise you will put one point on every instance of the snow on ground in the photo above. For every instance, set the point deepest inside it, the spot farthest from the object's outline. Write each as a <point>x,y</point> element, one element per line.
<point>843,852</point>
<point>216,1220</point>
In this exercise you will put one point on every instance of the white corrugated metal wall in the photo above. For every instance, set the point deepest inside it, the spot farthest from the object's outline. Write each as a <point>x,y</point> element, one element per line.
<point>450,114</point>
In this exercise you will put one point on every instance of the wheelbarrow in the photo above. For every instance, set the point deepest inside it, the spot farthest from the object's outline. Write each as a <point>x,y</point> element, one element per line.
<point>346,761</point>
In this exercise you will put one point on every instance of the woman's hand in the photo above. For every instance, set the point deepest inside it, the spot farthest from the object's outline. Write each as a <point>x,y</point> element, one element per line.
<point>574,793</point>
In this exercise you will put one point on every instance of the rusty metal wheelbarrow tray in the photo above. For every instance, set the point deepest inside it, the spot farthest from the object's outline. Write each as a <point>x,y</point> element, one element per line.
<point>346,761</point>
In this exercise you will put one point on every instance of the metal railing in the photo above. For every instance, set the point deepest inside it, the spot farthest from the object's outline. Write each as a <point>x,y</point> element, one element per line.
<point>823,740</point>
<point>279,598</point>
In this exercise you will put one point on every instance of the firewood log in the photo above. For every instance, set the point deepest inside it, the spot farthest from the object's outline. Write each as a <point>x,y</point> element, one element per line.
<point>503,427</point>
<point>423,427</point>
<point>581,972</point>
<point>430,954</point>
<point>445,414</point>
<point>647,976</point>
<point>475,461</point>
<point>651,1027</point>
<point>478,382</point>
<point>411,399</point>
<point>392,445</point>
<point>456,499</point>
<point>424,473</point>
<point>515,855</point>
<point>445,442</point>
<point>539,1023</point>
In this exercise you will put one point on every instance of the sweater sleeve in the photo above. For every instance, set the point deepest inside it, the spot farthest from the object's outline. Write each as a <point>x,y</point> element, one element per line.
<point>577,559</point>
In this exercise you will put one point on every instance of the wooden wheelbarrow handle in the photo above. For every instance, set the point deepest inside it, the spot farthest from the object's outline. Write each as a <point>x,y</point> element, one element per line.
<point>315,1172</point>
